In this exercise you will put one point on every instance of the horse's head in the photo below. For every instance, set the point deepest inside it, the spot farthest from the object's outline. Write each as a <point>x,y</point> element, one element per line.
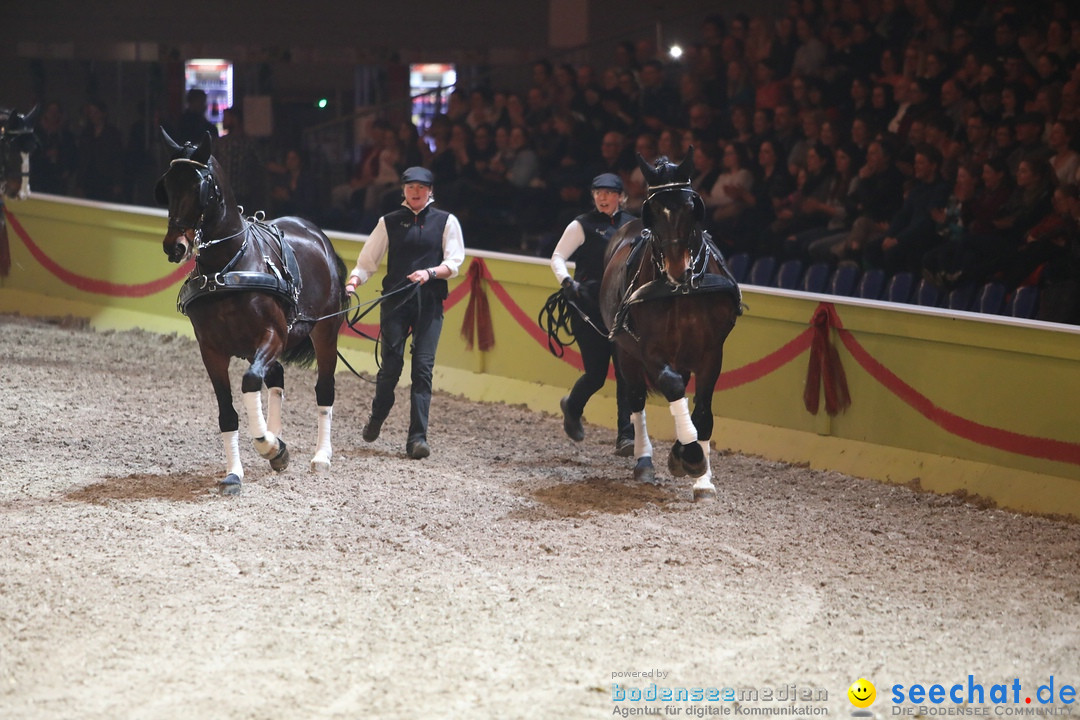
<point>17,141</point>
<point>191,191</point>
<point>672,213</point>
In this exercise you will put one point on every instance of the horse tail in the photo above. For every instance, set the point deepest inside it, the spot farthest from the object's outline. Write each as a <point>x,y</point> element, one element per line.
<point>343,297</point>
<point>303,354</point>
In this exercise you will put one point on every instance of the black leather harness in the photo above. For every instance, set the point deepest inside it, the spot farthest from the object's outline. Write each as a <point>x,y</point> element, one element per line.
<point>281,278</point>
<point>699,281</point>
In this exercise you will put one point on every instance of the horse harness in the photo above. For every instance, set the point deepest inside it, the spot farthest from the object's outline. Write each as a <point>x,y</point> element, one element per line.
<point>698,281</point>
<point>280,279</point>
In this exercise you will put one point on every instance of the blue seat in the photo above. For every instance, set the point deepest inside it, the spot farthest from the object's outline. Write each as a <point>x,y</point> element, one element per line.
<point>1025,302</point>
<point>844,279</point>
<point>761,272</point>
<point>960,298</point>
<point>898,289</point>
<point>816,278</point>
<point>926,294</point>
<point>991,300</point>
<point>871,284</point>
<point>739,265</point>
<point>789,274</point>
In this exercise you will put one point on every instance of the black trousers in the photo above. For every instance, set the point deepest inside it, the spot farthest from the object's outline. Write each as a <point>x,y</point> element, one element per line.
<point>423,314</point>
<point>596,355</point>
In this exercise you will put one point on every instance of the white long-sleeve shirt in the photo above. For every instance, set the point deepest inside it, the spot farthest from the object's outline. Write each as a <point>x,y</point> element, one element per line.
<point>572,238</point>
<point>367,263</point>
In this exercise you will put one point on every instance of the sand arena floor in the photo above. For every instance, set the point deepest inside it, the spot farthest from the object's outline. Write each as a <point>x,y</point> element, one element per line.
<point>513,574</point>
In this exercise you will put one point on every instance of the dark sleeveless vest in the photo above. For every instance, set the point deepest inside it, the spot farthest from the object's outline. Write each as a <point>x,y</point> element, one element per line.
<point>589,258</point>
<point>415,242</point>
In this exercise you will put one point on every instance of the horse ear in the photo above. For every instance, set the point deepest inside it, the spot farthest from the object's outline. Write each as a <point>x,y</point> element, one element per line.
<point>202,153</point>
<point>173,146</point>
<point>647,170</point>
<point>686,167</point>
<point>31,117</point>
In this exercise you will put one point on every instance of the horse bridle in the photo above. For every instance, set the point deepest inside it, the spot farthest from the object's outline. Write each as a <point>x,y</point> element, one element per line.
<point>208,191</point>
<point>699,262</point>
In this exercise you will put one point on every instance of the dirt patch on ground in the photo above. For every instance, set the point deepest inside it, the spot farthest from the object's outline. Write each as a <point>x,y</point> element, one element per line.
<point>513,574</point>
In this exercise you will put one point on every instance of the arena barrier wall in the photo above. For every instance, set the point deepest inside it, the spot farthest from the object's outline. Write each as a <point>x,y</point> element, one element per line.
<point>940,400</point>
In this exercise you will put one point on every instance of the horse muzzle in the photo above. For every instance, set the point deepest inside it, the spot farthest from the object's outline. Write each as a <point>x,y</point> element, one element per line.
<point>676,266</point>
<point>178,248</point>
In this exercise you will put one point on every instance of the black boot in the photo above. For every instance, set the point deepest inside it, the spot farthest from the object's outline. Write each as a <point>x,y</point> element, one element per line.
<point>571,424</point>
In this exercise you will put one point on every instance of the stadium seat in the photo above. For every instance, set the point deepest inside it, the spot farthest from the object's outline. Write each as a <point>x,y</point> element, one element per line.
<point>898,289</point>
<point>926,294</point>
<point>991,300</point>
<point>761,272</point>
<point>844,278</point>
<point>789,274</point>
<point>1025,302</point>
<point>871,284</point>
<point>816,278</point>
<point>960,298</point>
<point>739,265</point>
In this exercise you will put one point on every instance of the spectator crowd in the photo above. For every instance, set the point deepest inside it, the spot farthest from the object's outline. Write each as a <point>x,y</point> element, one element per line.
<point>933,137</point>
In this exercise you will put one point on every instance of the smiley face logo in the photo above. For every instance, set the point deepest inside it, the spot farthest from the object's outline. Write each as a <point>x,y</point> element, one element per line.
<point>862,693</point>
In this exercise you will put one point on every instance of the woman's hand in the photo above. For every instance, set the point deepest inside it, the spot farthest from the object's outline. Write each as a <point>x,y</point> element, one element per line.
<point>423,276</point>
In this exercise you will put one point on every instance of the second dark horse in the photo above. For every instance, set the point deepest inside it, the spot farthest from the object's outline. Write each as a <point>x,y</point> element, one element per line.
<point>670,304</point>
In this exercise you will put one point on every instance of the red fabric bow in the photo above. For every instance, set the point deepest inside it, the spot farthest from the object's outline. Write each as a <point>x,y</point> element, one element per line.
<point>825,367</point>
<point>478,314</point>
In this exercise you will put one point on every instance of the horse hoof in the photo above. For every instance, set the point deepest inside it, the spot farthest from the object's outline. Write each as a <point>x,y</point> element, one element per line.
<point>644,471</point>
<point>675,462</point>
<point>694,462</point>
<point>320,464</point>
<point>231,485</point>
<point>280,461</point>
<point>704,494</point>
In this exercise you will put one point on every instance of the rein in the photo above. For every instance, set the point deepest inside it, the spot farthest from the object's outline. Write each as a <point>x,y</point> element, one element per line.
<point>411,288</point>
<point>557,313</point>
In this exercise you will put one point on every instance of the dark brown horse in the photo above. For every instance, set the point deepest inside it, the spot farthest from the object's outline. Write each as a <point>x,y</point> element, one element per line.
<point>266,292</point>
<point>670,303</point>
<point>17,142</point>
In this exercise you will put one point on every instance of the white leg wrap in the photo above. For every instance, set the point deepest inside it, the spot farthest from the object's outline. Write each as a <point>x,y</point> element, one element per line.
<point>685,431</point>
<point>275,399</point>
<point>265,441</point>
<point>704,482</point>
<point>642,444</point>
<point>323,451</point>
<point>708,463</point>
<point>231,441</point>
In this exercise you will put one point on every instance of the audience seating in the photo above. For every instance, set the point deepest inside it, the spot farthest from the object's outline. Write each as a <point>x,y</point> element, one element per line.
<point>926,294</point>
<point>960,298</point>
<point>898,289</point>
<point>816,278</point>
<point>762,271</point>
<point>1025,302</point>
<point>739,265</point>
<point>844,278</point>
<point>789,274</point>
<point>991,300</point>
<point>871,284</point>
